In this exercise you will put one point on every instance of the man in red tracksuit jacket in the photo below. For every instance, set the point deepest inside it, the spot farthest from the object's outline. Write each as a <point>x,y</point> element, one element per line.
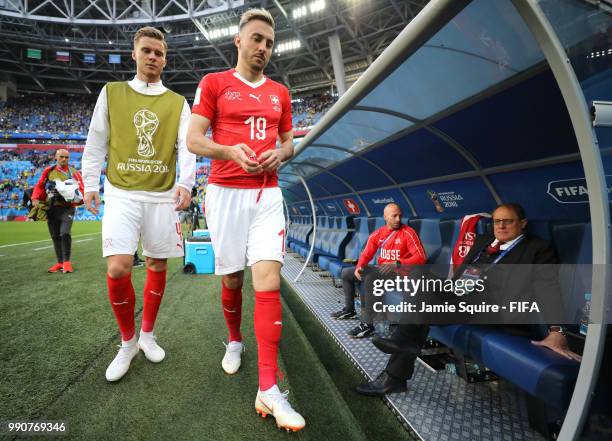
<point>394,244</point>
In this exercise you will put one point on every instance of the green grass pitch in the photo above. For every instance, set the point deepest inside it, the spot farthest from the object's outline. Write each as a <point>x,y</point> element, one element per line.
<point>58,334</point>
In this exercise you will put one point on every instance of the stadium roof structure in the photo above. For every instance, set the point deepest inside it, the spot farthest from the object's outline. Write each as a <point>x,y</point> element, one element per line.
<point>199,35</point>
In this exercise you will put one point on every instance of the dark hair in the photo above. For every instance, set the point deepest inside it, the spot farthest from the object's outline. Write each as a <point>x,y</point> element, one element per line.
<point>517,208</point>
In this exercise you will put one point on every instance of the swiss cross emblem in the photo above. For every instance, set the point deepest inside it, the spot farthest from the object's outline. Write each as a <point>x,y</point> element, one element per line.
<point>274,100</point>
<point>351,206</point>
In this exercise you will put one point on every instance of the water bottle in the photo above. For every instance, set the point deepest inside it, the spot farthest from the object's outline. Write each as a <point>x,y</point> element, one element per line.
<point>358,306</point>
<point>382,328</point>
<point>586,312</point>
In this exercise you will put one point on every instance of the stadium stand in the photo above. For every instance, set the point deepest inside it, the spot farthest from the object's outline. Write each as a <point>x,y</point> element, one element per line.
<point>47,114</point>
<point>63,117</point>
<point>45,119</point>
<point>308,110</point>
<point>19,171</point>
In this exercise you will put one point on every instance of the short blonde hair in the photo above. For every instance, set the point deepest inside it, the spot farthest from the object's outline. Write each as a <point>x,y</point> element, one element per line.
<point>256,14</point>
<point>151,32</point>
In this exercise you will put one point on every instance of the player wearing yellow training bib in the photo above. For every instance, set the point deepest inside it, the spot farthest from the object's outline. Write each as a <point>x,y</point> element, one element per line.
<point>139,127</point>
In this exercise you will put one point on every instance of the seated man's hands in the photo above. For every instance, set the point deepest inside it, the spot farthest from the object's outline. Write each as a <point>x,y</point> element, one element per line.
<point>387,268</point>
<point>555,341</point>
<point>358,272</point>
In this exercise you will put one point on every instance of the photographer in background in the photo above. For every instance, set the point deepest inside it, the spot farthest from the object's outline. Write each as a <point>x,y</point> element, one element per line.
<point>61,187</point>
<point>194,210</point>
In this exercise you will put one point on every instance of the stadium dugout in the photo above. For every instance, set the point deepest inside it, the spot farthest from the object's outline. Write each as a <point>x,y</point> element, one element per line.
<point>474,104</point>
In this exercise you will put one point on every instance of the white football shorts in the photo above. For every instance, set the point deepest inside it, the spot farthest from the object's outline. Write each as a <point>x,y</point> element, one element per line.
<point>156,225</point>
<point>242,230</point>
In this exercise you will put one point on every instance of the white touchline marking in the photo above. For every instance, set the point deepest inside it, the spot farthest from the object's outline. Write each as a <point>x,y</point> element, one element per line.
<point>51,246</point>
<point>44,240</point>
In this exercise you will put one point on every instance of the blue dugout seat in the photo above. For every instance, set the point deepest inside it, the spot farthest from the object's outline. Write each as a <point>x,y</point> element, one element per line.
<point>353,245</point>
<point>300,235</point>
<point>429,233</point>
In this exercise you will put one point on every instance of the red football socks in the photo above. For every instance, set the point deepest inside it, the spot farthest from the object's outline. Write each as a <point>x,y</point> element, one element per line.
<point>231,299</point>
<point>268,327</point>
<point>153,293</point>
<point>122,298</point>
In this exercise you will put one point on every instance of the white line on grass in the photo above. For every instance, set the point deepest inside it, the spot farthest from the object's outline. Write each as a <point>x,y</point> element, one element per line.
<point>51,246</point>
<point>44,240</point>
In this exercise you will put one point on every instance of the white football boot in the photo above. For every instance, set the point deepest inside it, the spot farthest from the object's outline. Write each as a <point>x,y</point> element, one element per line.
<point>153,352</point>
<point>120,365</point>
<point>274,402</point>
<point>233,357</point>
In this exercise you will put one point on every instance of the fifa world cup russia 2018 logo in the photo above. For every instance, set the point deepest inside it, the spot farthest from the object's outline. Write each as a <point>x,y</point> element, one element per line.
<point>434,198</point>
<point>146,123</point>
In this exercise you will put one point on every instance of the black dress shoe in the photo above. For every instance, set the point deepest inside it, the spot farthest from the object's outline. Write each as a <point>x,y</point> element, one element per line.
<point>392,346</point>
<point>384,384</point>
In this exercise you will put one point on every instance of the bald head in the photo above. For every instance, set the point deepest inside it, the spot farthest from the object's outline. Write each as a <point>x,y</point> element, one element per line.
<point>62,156</point>
<point>393,216</point>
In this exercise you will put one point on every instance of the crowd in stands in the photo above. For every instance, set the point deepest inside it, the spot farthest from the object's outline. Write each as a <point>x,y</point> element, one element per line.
<point>21,169</point>
<point>308,110</point>
<point>70,115</point>
<point>57,115</point>
<point>19,172</point>
<point>47,114</point>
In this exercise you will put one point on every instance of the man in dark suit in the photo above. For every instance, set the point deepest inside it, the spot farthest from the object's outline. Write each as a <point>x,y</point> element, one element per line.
<point>509,244</point>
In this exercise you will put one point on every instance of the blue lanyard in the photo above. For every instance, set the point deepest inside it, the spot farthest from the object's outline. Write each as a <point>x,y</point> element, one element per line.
<point>502,254</point>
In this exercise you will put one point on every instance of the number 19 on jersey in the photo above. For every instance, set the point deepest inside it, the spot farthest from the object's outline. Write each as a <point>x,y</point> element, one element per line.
<point>258,127</point>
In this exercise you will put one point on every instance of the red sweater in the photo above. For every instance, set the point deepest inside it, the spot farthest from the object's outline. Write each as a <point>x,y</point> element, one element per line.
<point>404,247</point>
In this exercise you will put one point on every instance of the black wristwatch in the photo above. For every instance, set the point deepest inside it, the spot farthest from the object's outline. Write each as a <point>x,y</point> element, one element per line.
<point>560,329</point>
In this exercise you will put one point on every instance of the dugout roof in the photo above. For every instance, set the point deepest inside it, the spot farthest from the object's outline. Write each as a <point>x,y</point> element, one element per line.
<point>462,111</point>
